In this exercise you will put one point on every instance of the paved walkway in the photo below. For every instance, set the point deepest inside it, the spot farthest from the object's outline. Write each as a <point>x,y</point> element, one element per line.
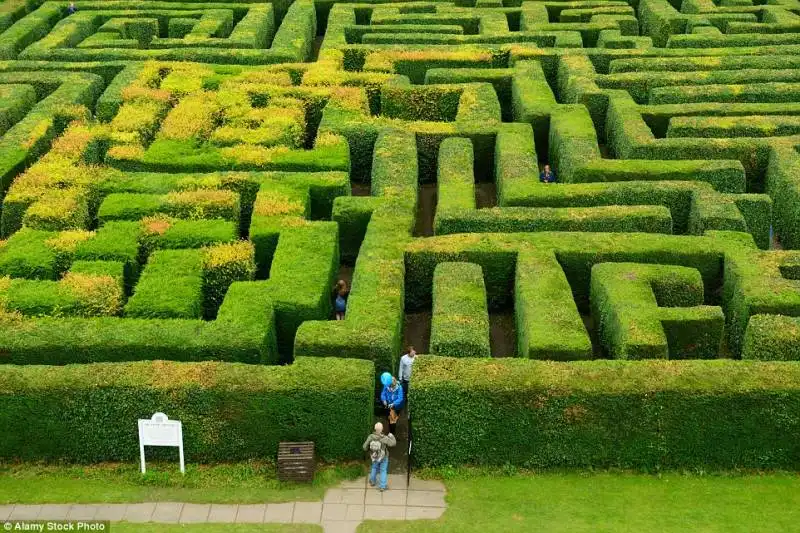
<point>341,511</point>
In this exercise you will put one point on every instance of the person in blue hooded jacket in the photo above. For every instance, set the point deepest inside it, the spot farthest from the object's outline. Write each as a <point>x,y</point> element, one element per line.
<point>547,175</point>
<point>391,397</point>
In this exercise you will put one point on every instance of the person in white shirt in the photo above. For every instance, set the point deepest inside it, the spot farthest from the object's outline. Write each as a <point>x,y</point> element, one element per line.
<point>404,375</point>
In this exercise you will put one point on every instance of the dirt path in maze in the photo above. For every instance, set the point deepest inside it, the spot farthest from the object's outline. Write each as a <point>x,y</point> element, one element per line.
<point>426,210</point>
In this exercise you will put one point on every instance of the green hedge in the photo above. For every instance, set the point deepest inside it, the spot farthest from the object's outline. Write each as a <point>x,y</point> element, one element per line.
<point>115,241</point>
<point>638,84</point>
<point>772,338</point>
<point>767,92</point>
<point>460,318</point>
<point>90,288</point>
<point>244,331</point>
<point>576,253</point>
<point>170,286</point>
<point>750,126</point>
<point>759,284</point>
<point>515,163</point>
<point>45,35</point>
<point>230,412</point>
<point>61,98</point>
<point>633,414</point>
<point>630,137</point>
<point>783,186</point>
<point>547,319</point>
<point>26,254</point>
<point>29,29</point>
<point>732,41</point>
<point>16,101</point>
<point>12,10</point>
<point>302,277</point>
<point>166,233</point>
<point>372,328</point>
<point>639,218</point>
<point>201,203</point>
<point>654,311</point>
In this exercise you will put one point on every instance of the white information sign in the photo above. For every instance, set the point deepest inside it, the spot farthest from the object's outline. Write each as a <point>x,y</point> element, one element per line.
<point>160,431</point>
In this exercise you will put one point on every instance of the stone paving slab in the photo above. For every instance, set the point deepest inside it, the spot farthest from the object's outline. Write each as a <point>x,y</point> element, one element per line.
<point>25,512</point>
<point>279,512</point>
<point>343,508</point>
<point>139,512</point>
<point>425,498</point>
<point>222,513</point>
<point>195,513</point>
<point>251,514</point>
<point>345,495</point>
<point>167,512</point>
<point>5,511</point>
<point>397,481</point>
<point>423,513</point>
<point>333,496</point>
<point>350,496</point>
<point>82,512</point>
<point>113,512</point>
<point>384,512</point>
<point>353,496</point>
<point>334,511</point>
<point>307,512</point>
<point>355,512</point>
<point>54,512</point>
<point>389,497</point>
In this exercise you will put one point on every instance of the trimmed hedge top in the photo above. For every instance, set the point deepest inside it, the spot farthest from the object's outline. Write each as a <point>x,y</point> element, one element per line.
<point>603,376</point>
<point>168,375</point>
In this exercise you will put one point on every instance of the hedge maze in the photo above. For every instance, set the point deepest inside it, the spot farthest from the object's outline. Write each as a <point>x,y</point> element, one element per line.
<point>184,182</point>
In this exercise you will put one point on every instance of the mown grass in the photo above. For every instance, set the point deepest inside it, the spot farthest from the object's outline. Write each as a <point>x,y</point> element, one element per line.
<point>612,503</point>
<point>249,482</point>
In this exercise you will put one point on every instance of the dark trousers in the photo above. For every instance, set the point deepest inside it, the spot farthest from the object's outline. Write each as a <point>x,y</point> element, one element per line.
<point>392,427</point>
<point>404,384</point>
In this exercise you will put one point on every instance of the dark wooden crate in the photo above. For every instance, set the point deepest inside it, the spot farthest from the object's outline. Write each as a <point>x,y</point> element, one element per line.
<point>296,461</point>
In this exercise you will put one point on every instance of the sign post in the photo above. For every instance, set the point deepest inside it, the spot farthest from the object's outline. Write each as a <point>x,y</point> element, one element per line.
<point>160,431</point>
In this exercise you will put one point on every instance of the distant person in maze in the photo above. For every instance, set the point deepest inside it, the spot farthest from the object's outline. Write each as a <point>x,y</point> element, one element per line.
<point>392,399</point>
<point>378,444</point>
<point>71,9</point>
<point>547,175</point>
<point>340,293</point>
<point>404,373</point>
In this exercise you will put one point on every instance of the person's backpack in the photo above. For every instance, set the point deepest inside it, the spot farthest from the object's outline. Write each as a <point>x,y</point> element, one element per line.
<point>376,451</point>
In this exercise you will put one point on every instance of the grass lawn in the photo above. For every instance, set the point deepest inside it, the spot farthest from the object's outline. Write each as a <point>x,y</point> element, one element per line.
<point>619,503</point>
<point>123,483</point>
<point>125,527</point>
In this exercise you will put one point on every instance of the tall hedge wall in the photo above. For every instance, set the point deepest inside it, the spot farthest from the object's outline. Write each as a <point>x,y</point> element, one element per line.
<point>230,411</point>
<point>643,414</point>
